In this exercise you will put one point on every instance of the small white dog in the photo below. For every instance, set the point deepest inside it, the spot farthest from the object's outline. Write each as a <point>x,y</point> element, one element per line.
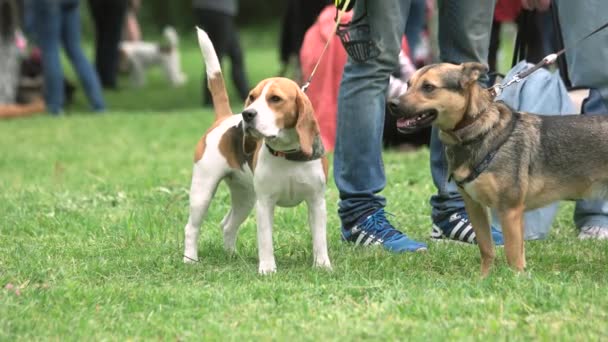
<point>142,55</point>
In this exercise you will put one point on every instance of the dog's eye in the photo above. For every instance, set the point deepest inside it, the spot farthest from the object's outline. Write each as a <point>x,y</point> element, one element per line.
<point>427,87</point>
<point>251,98</point>
<point>275,99</point>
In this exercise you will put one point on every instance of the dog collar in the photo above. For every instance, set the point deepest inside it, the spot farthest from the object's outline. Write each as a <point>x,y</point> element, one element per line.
<point>318,150</point>
<point>485,162</point>
<point>457,134</point>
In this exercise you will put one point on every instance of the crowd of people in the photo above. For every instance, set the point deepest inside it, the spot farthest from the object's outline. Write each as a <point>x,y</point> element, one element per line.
<point>34,33</point>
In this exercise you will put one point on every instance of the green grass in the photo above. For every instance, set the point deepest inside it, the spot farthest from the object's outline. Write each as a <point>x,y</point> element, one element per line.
<point>92,213</point>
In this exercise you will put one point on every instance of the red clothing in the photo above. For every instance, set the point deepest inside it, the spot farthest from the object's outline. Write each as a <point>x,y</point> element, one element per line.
<point>507,10</point>
<point>323,90</point>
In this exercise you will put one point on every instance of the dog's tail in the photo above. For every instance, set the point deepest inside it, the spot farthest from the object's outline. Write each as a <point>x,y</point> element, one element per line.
<point>171,36</point>
<point>215,80</point>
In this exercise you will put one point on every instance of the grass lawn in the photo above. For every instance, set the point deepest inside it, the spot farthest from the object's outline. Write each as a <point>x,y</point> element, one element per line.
<point>92,214</point>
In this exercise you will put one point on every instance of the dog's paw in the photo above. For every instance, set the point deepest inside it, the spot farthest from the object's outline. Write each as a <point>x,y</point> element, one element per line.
<point>267,268</point>
<point>323,263</point>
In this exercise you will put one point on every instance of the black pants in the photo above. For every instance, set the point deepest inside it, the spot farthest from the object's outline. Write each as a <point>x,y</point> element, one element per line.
<point>108,18</point>
<point>223,34</point>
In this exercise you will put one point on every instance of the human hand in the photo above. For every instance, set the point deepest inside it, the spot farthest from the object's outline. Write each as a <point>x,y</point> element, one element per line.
<point>539,5</point>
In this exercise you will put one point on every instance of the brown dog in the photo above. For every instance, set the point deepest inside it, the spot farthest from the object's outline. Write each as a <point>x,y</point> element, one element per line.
<point>502,159</point>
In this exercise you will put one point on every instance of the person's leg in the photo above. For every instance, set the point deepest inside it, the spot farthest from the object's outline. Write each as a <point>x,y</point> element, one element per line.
<point>239,75</point>
<point>591,216</point>
<point>358,167</point>
<point>96,10</point>
<point>464,36</point>
<point>70,36</point>
<point>586,61</point>
<point>416,22</point>
<point>494,46</point>
<point>217,26</point>
<point>586,69</point>
<point>110,22</point>
<point>48,27</point>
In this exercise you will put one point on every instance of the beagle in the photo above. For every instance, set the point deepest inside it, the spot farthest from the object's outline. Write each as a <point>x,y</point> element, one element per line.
<point>270,154</point>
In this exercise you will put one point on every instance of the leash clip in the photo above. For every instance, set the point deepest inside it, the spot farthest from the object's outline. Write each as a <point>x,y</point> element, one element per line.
<point>496,90</point>
<point>305,86</point>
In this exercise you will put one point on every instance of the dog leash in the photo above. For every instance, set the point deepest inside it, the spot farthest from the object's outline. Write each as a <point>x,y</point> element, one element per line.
<point>496,89</point>
<point>341,11</point>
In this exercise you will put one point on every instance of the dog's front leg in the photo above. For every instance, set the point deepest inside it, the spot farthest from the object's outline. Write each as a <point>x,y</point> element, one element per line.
<point>265,216</point>
<point>512,222</point>
<point>317,220</point>
<point>481,226</point>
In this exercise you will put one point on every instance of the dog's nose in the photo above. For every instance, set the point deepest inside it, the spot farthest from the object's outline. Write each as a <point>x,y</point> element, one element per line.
<point>249,114</point>
<point>393,107</point>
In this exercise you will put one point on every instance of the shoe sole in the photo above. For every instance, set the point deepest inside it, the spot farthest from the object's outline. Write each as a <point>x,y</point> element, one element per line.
<point>421,249</point>
<point>444,239</point>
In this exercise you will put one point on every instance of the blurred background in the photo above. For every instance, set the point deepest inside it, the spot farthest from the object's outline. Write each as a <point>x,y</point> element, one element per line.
<point>142,55</point>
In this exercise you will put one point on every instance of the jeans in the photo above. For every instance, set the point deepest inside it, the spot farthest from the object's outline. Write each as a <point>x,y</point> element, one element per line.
<point>58,22</point>
<point>541,92</point>
<point>464,35</point>
<point>358,167</point>
<point>416,21</point>
<point>586,69</point>
<point>589,213</point>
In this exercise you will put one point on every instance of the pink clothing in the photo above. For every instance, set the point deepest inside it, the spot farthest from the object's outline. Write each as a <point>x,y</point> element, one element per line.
<point>323,90</point>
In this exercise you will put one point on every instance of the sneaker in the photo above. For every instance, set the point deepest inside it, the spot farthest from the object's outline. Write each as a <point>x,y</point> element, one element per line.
<point>593,232</point>
<point>457,227</point>
<point>375,230</point>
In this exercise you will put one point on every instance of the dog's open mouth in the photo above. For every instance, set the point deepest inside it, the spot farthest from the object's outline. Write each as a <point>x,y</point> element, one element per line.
<point>421,120</point>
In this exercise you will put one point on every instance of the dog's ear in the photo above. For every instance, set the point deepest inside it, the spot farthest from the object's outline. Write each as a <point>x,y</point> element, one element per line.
<point>306,126</point>
<point>248,101</point>
<point>471,72</point>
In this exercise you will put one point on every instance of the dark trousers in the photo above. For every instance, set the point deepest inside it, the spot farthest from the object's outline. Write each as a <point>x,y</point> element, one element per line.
<point>223,34</point>
<point>108,18</point>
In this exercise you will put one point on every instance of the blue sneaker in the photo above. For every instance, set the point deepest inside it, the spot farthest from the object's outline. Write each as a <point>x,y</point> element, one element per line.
<point>457,227</point>
<point>375,230</point>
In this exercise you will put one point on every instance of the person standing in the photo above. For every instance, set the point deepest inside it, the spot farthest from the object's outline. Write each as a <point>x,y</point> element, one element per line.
<point>585,69</point>
<point>57,23</point>
<point>464,35</point>
<point>108,17</point>
<point>216,17</point>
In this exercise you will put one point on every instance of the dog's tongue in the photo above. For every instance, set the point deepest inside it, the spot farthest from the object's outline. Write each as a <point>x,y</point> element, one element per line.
<point>404,122</point>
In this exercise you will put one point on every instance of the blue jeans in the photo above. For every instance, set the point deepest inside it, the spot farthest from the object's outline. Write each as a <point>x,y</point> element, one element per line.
<point>589,213</point>
<point>416,21</point>
<point>58,22</point>
<point>586,69</point>
<point>464,35</point>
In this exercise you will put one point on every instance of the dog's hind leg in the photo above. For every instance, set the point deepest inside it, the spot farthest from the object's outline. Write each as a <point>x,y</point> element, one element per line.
<point>481,226</point>
<point>205,180</point>
<point>242,200</point>
<point>512,222</point>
